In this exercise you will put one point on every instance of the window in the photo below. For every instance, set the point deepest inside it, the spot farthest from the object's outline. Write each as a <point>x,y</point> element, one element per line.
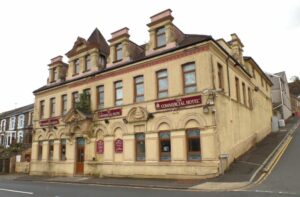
<point>21,121</point>
<point>102,60</point>
<point>76,67</point>
<point>63,143</point>
<point>75,98</point>
<point>160,37</point>
<point>100,95</point>
<point>244,93</point>
<point>64,100</point>
<point>253,72</point>
<point>267,89</point>
<point>12,122</point>
<point>88,63</point>
<point>40,150</point>
<point>55,74</point>
<point>119,54</point>
<point>88,92</point>
<point>52,107</point>
<point>139,88</point>
<point>249,98</point>
<point>220,76</point>
<point>237,89</point>
<point>51,148</point>
<point>165,146</point>
<point>189,77</point>
<point>193,144</point>
<point>162,84</point>
<point>118,93</point>
<point>262,81</point>
<point>20,137</point>
<point>42,109</point>
<point>140,146</point>
<point>3,125</point>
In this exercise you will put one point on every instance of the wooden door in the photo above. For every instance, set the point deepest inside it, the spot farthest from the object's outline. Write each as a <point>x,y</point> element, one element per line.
<point>80,155</point>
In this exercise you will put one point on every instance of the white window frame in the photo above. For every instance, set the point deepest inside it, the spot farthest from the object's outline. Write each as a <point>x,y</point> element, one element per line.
<point>12,122</point>
<point>21,121</point>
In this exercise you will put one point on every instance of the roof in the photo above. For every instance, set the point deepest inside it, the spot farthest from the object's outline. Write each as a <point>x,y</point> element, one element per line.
<point>295,88</point>
<point>188,40</point>
<point>248,58</point>
<point>17,111</point>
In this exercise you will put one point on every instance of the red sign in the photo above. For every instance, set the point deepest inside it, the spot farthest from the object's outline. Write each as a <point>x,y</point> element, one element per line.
<point>174,103</point>
<point>100,147</point>
<point>50,121</point>
<point>118,146</point>
<point>109,113</point>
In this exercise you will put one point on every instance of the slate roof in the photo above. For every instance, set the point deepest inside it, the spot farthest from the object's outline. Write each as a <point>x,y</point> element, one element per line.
<point>16,111</point>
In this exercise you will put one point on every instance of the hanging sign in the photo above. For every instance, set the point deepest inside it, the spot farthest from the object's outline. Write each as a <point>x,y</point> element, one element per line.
<point>109,113</point>
<point>100,147</point>
<point>118,146</point>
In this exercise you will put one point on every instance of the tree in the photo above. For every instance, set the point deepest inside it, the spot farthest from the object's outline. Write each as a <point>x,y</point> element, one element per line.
<point>295,78</point>
<point>84,103</point>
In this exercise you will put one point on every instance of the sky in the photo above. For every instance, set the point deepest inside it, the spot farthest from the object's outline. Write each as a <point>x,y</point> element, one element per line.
<point>34,31</point>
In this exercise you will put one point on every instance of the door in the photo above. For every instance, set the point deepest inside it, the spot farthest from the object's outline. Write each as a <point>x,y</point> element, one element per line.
<point>80,143</point>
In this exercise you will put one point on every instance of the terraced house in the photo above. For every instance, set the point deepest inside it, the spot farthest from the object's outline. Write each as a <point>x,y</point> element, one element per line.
<point>180,106</point>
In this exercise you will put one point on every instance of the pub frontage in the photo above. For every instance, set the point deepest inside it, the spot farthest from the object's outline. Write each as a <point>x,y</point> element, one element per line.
<point>181,106</point>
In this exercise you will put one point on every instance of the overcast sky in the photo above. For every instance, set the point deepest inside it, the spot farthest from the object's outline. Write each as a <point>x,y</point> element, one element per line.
<point>34,31</point>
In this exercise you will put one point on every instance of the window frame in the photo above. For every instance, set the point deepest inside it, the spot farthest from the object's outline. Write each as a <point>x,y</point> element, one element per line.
<point>160,147</point>
<point>250,98</point>
<point>244,93</point>
<point>136,96</point>
<point>116,92</point>
<point>61,148</point>
<point>54,74</point>
<point>157,35</point>
<point>237,89</point>
<point>42,109</point>
<point>100,104</point>
<point>118,48</point>
<point>87,61</point>
<point>76,69</point>
<point>188,72</point>
<point>157,84</point>
<point>220,76</point>
<point>187,145</point>
<point>50,150</point>
<point>52,107</point>
<point>136,147</point>
<point>74,99</point>
<point>40,151</point>
<point>64,104</point>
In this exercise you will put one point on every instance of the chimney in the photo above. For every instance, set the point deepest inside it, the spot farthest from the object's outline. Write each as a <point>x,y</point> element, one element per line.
<point>237,48</point>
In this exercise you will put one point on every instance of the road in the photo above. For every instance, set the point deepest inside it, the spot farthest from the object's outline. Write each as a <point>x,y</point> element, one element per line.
<point>284,181</point>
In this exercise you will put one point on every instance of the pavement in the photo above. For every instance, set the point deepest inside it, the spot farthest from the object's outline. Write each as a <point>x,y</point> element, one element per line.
<point>244,171</point>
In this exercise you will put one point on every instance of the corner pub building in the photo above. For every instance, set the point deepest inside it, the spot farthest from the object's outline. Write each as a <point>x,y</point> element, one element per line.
<point>180,106</point>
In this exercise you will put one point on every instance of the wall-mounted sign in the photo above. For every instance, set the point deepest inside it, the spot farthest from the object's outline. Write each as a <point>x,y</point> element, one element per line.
<point>100,147</point>
<point>109,113</point>
<point>175,103</point>
<point>49,121</point>
<point>118,146</point>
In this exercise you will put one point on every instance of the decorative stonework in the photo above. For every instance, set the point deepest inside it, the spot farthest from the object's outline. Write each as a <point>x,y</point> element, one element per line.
<point>137,114</point>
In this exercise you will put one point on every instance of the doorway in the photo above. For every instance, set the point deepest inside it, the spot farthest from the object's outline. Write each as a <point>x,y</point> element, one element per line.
<point>80,144</point>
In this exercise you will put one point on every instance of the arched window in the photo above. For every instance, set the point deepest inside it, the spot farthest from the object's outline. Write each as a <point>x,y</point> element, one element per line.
<point>21,121</point>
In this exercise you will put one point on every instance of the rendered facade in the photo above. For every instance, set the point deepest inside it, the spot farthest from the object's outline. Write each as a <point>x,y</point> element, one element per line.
<point>180,106</point>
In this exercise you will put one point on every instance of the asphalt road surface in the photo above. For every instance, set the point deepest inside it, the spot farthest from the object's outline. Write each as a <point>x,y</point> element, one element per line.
<point>284,181</point>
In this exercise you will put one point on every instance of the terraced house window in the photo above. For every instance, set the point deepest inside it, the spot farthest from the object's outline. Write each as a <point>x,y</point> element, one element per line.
<point>12,122</point>
<point>140,146</point>
<point>100,95</point>
<point>76,67</point>
<point>220,76</point>
<point>64,104</point>
<point>119,54</point>
<point>88,63</point>
<point>42,109</point>
<point>88,92</point>
<point>118,93</point>
<point>237,89</point>
<point>75,98</point>
<point>52,107</point>
<point>189,78</point>
<point>55,74</point>
<point>193,145</point>
<point>244,93</point>
<point>162,84</point>
<point>139,88</point>
<point>161,37</point>
<point>165,146</point>
<point>51,149</point>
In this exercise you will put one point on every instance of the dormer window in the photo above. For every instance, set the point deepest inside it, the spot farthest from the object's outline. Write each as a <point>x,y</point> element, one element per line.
<point>88,63</point>
<point>76,67</point>
<point>119,54</point>
<point>161,37</point>
<point>102,60</point>
<point>55,74</point>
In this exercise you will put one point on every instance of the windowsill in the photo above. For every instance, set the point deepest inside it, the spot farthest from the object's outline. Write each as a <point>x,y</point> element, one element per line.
<point>85,71</point>
<point>162,46</point>
<point>75,74</point>
<point>117,61</point>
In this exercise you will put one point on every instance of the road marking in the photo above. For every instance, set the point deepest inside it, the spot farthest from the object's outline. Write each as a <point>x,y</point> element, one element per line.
<point>16,191</point>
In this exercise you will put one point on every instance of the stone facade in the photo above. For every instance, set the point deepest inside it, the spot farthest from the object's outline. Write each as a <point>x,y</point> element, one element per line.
<point>181,106</point>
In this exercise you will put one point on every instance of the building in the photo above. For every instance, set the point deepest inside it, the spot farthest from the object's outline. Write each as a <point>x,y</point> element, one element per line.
<point>16,126</point>
<point>180,106</point>
<point>281,99</point>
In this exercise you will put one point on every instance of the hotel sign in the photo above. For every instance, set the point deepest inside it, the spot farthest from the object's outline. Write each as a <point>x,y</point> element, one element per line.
<point>109,113</point>
<point>100,147</point>
<point>175,103</point>
<point>50,121</point>
<point>118,145</point>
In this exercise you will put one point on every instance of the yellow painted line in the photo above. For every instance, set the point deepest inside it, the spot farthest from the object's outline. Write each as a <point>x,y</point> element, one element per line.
<point>265,175</point>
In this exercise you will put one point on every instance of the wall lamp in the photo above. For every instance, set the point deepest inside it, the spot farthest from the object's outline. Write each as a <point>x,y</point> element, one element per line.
<point>106,121</point>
